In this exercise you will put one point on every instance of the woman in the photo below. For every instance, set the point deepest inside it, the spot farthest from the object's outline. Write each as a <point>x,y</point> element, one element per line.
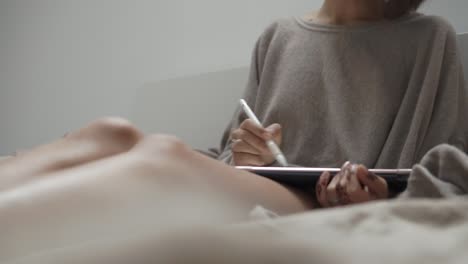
<point>369,81</point>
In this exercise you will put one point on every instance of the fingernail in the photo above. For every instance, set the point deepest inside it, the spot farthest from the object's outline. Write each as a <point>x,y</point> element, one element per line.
<point>354,168</point>
<point>274,127</point>
<point>345,165</point>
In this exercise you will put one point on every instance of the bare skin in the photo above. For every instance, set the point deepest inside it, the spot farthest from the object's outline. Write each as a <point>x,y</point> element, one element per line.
<point>248,144</point>
<point>95,187</point>
<point>354,184</point>
<point>349,12</point>
<point>100,139</point>
<point>164,160</point>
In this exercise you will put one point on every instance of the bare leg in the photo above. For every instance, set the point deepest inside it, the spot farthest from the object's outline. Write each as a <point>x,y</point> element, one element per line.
<point>100,194</point>
<point>102,138</point>
<point>183,166</point>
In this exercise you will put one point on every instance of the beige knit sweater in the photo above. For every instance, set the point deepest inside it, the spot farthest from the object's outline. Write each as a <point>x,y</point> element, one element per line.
<point>380,94</point>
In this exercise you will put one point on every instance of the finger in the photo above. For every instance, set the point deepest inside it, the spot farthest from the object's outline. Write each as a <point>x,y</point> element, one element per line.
<point>253,128</point>
<point>243,147</point>
<point>246,159</point>
<point>321,187</point>
<point>341,188</point>
<point>345,171</point>
<point>332,195</point>
<point>377,186</point>
<point>356,192</point>
<point>274,132</point>
<point>353,182</point>
<point>251,139</point>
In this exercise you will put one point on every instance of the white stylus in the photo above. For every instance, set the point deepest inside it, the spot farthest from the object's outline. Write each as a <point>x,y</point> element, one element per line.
<point>275,150</point>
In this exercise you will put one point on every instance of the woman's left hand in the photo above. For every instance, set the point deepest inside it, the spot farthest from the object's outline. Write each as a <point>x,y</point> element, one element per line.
<point>352,185</point>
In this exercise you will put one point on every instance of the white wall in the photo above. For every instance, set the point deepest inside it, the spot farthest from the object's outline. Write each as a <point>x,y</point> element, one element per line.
<point>453,10</point>
<point>200,115</point>
<point>65,62</point>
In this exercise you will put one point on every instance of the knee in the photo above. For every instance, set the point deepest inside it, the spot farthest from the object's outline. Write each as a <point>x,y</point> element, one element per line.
<point>442,158</point>
<point>437,153</point>
<point>116,130</point>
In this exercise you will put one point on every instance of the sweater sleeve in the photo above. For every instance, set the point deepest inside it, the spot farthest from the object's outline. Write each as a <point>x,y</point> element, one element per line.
<point>449,117</point>
<point>459,138</point>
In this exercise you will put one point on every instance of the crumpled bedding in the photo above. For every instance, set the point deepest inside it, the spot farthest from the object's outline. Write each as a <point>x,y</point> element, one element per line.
<point>428,223</point>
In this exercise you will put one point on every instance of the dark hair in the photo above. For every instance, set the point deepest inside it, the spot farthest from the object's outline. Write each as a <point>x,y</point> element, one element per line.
<point>398,8</point>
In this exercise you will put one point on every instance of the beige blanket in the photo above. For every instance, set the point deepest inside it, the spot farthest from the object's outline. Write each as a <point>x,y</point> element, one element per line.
<point>404,230</point>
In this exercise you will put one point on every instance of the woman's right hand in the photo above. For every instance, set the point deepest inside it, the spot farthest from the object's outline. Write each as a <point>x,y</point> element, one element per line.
<point>248,144</point>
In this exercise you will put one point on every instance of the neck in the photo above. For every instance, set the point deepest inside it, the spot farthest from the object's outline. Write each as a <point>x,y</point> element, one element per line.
<point>347,12</point>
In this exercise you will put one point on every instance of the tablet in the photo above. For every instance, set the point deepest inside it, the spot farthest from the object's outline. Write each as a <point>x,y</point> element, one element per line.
<point>397,179</point>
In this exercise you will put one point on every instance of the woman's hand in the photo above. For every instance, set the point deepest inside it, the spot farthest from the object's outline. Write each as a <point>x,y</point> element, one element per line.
<point>248,144</point>
<point>352,185</point>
